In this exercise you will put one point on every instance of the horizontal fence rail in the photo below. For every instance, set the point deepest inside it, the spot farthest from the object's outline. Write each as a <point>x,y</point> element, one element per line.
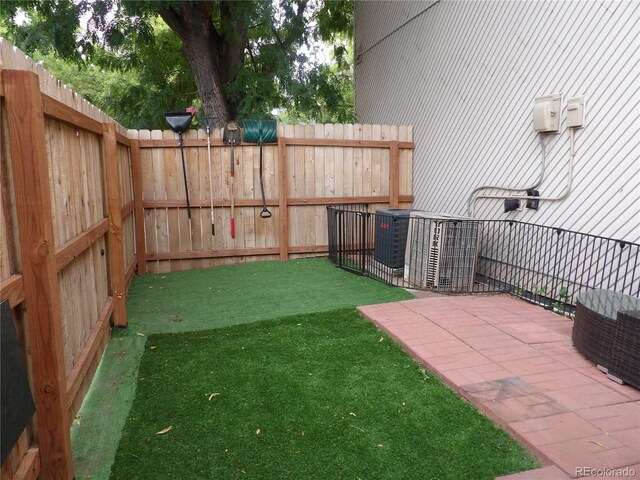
<point>67,249</point>
<point>548,266</point>
<point>310,167</point>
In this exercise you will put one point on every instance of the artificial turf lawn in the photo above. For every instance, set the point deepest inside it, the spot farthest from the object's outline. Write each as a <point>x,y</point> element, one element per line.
<point>202,300</point>
<point>322,395</point>
<point>218,297</point>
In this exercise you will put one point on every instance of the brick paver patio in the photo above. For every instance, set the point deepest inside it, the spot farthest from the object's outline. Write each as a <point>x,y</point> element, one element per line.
<point>515,361</point>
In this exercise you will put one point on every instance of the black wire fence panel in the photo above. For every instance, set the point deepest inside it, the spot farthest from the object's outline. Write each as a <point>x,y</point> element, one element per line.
<point>546,265</point>
<point>350,241</point>
<point>551,266</point>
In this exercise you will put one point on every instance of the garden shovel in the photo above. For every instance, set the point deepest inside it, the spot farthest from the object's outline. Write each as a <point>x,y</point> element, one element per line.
<point>260,132</point>
<point>231,136</point>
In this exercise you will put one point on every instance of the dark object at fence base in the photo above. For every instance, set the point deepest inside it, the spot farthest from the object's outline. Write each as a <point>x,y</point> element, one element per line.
<point>606,330</point>
<point>15,400</point>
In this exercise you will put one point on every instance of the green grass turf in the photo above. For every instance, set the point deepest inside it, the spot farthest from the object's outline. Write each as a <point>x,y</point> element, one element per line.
<point>212,298</point>
<point>321,395</point>
<point>202,300</point>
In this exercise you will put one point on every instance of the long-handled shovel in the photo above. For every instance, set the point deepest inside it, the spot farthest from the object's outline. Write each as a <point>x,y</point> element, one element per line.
<point>232,135</point>
<point>261,131</point>
<point>180,123</point>
<point>207,122</point>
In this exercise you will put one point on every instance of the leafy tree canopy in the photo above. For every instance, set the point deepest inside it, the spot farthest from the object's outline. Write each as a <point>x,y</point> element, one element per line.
<point>234,59</point>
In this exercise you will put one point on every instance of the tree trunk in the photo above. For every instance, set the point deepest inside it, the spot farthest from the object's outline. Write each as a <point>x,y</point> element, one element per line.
<point>213,57</point>
<point>207,77</point>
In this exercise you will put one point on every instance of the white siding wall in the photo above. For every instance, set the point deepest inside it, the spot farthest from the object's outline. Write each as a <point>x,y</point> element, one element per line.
<point>465,75</point>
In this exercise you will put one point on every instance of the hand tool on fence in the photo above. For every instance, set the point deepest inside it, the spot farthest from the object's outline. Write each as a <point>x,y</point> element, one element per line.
<point>180,123</point>
<point>261,131</point>
<point>207,123</point>
<point>231,136</point>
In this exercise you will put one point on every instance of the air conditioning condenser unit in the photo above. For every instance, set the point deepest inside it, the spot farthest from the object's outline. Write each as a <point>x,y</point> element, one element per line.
<point>441,251</point>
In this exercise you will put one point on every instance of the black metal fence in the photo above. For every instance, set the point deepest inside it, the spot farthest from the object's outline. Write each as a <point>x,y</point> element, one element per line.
<point>349,230</point>
<point>546,265</point>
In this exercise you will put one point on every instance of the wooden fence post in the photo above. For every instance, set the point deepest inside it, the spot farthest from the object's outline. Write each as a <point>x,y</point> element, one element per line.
<point>114,212</point>
<point>394,175</point>
<point>25,117</point>
<point>282,203</point>
<point>136,173</point>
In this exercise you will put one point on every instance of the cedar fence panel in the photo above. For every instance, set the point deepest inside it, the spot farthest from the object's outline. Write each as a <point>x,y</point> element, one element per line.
<point>311,166</point>
<point>72,272</point>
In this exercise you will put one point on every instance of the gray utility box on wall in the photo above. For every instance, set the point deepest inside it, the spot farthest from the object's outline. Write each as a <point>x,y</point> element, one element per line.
<point>391,230</point>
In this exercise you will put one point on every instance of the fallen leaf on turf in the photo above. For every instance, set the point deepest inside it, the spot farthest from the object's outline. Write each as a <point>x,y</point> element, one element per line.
<point>140,334</point>
<point>164,430</point>
<point>352,414</point>
<point>380,445</point>
<point>381,339</point>
<point>258,432</point>
<point>152,347</point>
<point>214,394</point>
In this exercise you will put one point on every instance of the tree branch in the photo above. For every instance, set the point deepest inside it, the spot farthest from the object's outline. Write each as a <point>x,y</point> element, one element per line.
<point>174,20</point>
<point>294,33</point>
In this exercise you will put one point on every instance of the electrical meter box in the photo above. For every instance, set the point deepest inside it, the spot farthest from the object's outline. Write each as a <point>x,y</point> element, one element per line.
<point>575,112</point>
<point>546,113</point>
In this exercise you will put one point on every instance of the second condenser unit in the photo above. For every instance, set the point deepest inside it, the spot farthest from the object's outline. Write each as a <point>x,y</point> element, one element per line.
<point>441,251</point>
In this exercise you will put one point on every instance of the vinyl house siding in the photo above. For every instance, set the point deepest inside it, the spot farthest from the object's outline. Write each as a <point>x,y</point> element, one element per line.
<point>465,75</point>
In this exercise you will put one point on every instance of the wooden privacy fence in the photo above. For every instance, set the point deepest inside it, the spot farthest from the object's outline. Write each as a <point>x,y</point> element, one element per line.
<point>310,167</point>
<point>85,203</point>
<point>66,248</point>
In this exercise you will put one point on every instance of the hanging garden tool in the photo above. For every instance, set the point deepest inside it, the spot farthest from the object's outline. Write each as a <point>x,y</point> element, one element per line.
<point>231,136</point>
<point>207,123</point>
<point>180,123</point>
<point>261,131</point>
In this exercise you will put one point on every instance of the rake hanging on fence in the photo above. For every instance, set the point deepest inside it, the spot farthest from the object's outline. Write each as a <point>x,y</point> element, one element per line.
<point>207,123</point>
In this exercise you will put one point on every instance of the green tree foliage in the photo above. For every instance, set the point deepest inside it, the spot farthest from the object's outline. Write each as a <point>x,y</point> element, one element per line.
<point>234,59</point>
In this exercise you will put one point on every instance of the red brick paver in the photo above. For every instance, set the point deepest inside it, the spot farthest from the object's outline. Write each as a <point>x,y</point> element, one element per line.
<point>516,363</point>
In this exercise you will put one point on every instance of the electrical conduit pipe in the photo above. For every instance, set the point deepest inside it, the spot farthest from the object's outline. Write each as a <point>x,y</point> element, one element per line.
<point>562,196</point>
<point>473,198</point>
